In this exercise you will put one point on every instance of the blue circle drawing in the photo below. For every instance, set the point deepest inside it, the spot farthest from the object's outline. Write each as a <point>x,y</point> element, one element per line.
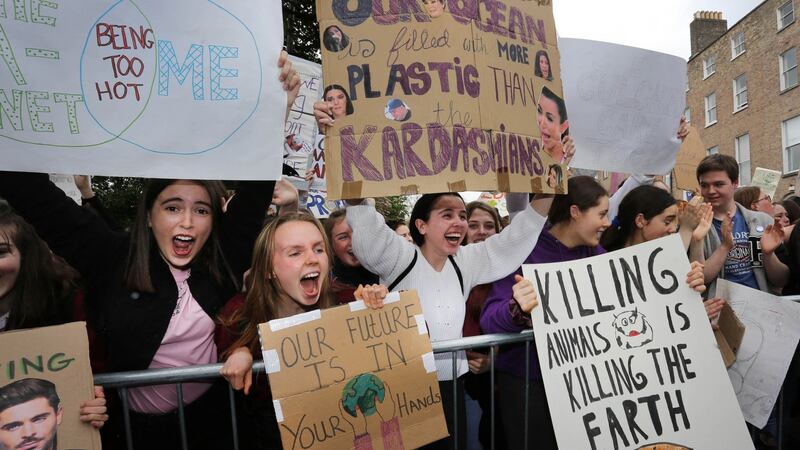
<point>167,151</point>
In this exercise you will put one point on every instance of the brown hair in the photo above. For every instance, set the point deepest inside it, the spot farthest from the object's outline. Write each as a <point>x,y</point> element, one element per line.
<point>263,292</point>
<point>210,258</point>
<point>43,293</point>
<point>716,162</point>
<point>746,196</point>
<point>472,206</point>
<point>583,192</point>
<point>333,219</point>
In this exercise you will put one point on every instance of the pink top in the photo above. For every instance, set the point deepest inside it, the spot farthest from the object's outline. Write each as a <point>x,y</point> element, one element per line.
<point>189,341</point>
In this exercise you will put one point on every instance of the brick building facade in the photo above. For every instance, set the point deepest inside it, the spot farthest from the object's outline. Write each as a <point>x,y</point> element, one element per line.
<point>743,93</point>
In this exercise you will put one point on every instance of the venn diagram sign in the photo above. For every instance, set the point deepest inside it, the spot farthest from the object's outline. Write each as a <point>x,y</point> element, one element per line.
<point>177,89</point>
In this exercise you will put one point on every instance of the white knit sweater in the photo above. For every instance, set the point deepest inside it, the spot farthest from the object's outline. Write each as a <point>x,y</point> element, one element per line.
<point>381,251</point>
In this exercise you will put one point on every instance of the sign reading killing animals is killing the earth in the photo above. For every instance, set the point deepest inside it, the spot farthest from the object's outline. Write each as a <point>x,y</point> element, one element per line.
<point>442,95</point>
<point>628,357</point>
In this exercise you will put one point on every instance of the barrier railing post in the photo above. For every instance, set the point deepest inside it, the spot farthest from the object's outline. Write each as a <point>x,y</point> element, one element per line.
<point>491,396</point>
<point>182,417</point>
<point>232,401</point>
<point>126,417</point>
<point>455,398</point>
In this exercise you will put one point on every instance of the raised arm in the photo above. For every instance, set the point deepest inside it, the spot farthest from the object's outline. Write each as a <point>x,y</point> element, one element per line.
<point>379,249</point>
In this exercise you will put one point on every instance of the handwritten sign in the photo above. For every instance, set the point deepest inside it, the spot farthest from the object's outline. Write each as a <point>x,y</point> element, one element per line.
<point>627,353</point>
<point>301,151</point>
<point>178,89</point>
<point>625,105</point>
<point>442,96</point>
<point>771,335</point>
<point>767,180</point>
<point>45,373</point>
<point>690,153</point>
<point>349,376</point>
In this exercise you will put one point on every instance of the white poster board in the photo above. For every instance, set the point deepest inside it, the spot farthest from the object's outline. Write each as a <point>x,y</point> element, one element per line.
<point>628,356</point>
<point>300,149</point>
<point>624,105</point>
<point>772,330</point>
<point>67,184</point>
<point>177,89</point>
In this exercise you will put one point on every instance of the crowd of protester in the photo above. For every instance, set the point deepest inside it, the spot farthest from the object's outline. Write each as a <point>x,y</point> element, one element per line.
<point>199,269</point>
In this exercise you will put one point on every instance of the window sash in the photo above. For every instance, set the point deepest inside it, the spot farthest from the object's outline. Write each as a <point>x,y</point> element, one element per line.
<point>785,15</point>
<point>788,68</point>
<point>709,66</point>
<point>791,144</point>
<point>743,157</point>
<point>739,92</point>
<point>711,109</point>
<point>713,150</point>
<point>737,44</point>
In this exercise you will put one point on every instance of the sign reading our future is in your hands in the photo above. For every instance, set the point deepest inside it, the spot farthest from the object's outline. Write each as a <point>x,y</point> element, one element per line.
<point>442,95</point>
<point>179,88</point>
<point>628,357</point>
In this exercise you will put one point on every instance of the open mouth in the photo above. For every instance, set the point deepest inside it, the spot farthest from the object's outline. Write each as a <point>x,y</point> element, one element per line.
<point>453,238</point>
<point>182,245</point>
<point>310,284</point>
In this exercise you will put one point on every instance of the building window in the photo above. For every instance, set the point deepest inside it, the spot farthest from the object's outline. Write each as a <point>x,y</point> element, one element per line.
<point>737,44</point>
<point>785,15</point>
<point>739,92</point>
<point>709,66</point>
<point>743,158</point>
<point>791,145</point>
<point>788,63</point>
<point>713,150</point>
<point>711,109</point>
<point>687,113</point>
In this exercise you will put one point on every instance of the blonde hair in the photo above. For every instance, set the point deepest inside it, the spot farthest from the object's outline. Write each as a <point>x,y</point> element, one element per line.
<point>264,291</point>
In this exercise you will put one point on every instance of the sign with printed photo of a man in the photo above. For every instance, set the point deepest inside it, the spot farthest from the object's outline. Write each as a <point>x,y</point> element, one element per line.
<point>44,377</point>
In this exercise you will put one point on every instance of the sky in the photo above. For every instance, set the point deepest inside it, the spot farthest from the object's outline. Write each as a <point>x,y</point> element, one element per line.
<point>659,25</point>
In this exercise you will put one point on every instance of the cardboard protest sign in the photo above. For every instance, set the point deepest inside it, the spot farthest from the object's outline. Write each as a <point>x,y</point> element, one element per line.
<point>625,105</point>
<point>344,376</point>
<point>44,377</point>
<point>177,89</point>
<point>496,200</point>
<point>627,354</point>
<point>691,152</point>
<point>771,335</point>
<point>767,180</point>
<point>442,96</point>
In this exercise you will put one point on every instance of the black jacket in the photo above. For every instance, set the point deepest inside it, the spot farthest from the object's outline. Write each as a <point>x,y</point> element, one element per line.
<point>132,323</point>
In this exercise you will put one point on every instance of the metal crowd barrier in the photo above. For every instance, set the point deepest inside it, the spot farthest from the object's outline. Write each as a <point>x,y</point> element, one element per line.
<point>177,376</point>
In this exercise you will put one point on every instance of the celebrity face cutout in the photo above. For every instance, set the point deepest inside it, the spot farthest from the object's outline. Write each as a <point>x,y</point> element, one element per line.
<point>435,8</point>
<point>544,66</point>
<point>337,101</point>
<point>550,126</point>
<point>181,220</point>
<point>30,426</point>
<point>10,261</point>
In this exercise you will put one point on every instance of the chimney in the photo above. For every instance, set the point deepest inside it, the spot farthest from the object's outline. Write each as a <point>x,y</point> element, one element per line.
<point>706,28</point>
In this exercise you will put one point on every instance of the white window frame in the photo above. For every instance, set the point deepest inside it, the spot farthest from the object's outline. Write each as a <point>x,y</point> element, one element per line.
<point>713,150</point>
<point>738,92</point>
<point>708,110</point>
<point>784,70</point>
<point>737,48</point>
<point>743,158</point>
<point>785,144</point>
<point>789,16</point>
<point>687,113</point>
<point>709,66</point>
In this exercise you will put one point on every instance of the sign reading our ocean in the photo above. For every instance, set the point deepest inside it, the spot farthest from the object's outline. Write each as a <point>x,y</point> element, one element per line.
<point>141,88</point>
<point>442,95</point>
<point>628,357</point>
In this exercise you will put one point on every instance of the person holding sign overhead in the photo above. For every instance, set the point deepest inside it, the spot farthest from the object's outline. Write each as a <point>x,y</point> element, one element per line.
<point>156,291</point>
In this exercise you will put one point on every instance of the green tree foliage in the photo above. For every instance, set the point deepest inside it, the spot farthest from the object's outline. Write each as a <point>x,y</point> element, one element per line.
<point>120,195</point>
<point>393,208</point>
<point>300,29</point>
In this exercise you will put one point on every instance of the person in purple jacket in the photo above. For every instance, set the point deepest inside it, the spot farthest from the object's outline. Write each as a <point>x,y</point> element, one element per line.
<point>576,222</point>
